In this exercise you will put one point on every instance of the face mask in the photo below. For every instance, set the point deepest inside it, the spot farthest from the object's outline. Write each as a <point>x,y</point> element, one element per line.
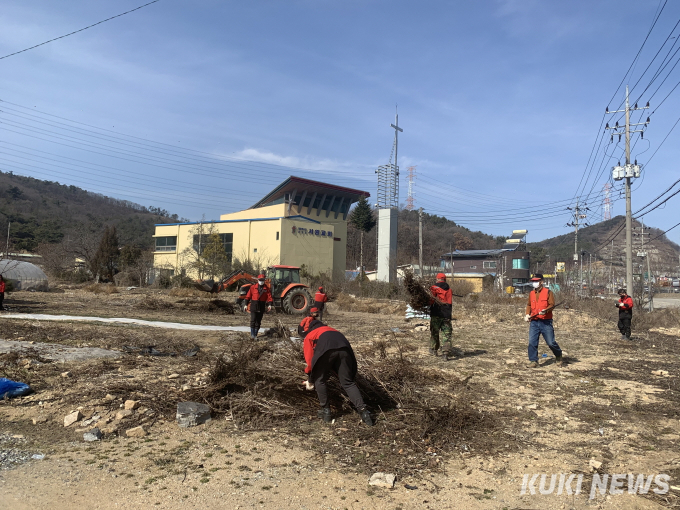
<point>536,284</point>
<point>261,282</point>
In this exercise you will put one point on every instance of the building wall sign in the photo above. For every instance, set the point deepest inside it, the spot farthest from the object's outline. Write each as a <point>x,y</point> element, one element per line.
<point>312,232</point>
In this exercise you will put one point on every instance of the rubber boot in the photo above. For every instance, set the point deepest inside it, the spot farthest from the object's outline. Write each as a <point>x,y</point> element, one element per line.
<point>253,333</point>
<point>325,414</point>
<point>366,417</point>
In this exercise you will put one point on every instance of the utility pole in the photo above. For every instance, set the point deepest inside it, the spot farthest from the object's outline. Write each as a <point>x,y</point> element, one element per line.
<point>7,248</point>
<point>628,172</point>
<point>420,236</point>
<point>575,223</point>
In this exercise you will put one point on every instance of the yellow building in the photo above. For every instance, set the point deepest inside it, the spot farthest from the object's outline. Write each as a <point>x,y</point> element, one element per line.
<point>299,222</point>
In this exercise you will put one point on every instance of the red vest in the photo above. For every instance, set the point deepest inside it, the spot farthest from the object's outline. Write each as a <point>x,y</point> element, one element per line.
<point>320,297</point>
<point>540,303</point>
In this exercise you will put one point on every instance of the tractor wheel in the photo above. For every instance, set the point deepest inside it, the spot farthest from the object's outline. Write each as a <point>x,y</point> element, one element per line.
<point>297,301</point>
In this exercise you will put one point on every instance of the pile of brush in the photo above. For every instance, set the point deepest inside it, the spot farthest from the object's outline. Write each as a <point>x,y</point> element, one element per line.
<point>261,383</point>
<point>419,290</point>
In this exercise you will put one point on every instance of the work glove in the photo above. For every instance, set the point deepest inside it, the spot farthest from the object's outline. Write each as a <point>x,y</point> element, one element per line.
<point>269,308</point>
<point>527,317</point>
<point>308,386</point>
<point>542,312</point>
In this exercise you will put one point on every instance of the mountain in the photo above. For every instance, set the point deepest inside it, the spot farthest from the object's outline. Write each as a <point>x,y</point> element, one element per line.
<point>46,212</point>
<point>440,235</point>
<point>606,241</point>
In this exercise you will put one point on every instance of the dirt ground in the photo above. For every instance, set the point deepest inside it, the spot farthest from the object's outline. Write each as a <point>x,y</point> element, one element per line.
<point>615,406</point>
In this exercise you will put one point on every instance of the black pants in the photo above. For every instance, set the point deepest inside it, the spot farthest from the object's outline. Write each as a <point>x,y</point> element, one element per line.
<point>320,306</point>
<point>624,326</point>
<point>2,298</point>
<point>256,319</point>
<point>341,362</point>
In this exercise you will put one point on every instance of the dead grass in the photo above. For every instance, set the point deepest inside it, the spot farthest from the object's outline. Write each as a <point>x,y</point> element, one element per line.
<point>151,302</point>
<point>101,288</point>
<point>184,292</point>
<point>370,305</point>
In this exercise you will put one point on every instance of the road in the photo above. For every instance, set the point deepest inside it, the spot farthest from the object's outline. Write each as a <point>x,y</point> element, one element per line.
<point>666,301</point>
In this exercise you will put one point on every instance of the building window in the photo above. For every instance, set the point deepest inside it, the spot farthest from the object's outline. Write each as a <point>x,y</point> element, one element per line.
<point>473,267</point>
<point>520,263</point>
<point>489,264</point>
<point>254,250</point>
<point>517,281</point>
<point>202,240</point>
<point>277,236</point>
<point>167,243</point>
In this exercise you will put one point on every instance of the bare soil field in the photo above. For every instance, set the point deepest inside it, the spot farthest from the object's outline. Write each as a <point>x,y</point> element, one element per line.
<point>461,433</point>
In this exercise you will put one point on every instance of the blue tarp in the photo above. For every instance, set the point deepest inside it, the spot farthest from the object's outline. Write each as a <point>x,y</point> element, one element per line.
<point>11,389</point>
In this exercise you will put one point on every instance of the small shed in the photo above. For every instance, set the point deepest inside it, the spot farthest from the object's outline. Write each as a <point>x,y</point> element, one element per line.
<point>24,275</point>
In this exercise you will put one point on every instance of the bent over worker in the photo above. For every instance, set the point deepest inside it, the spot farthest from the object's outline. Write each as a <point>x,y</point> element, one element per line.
<point>259,298</point>
<point>320,300</point>
<point>327,351</point>
<point>539,314</point>
<point>440,316</point>
<point>625,306</point>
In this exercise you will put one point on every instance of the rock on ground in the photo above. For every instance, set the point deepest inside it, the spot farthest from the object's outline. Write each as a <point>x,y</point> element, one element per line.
<point>190,414</point>
<point>382,480</point>
<point>70,419</point>
<point>136,432</point>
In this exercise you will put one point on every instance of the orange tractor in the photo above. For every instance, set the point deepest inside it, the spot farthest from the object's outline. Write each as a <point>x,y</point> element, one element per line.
<point>290,296</point>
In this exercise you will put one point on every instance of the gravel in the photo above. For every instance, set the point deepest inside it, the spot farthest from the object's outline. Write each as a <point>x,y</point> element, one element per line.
<point>11,453</point>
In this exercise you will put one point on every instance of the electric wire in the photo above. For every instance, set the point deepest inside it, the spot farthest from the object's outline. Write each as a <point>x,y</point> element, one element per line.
<point>80,30</point>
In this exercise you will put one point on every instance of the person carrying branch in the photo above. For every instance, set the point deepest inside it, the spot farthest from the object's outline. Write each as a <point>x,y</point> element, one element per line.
<point>320,300</point>
<point>259,298</point>
<point>327,351</point>
<point>625,306</point>
<point>440,316</point>
<point>539,315</point>
<point>2,292</point>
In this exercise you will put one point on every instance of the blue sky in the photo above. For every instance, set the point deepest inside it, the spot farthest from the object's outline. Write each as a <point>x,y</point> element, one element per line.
<point>500,100</point>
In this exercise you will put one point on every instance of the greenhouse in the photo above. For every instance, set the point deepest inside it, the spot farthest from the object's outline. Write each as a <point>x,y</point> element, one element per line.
<point>23,275</point>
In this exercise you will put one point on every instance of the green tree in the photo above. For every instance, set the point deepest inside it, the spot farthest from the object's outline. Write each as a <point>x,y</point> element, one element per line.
<point>106,257</point>
<point>129,255</point>
<point>362,219</point>
<point>214,258</point>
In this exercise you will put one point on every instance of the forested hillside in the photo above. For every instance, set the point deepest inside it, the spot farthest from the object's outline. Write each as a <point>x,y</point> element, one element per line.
<point>440,236</point>
<point>600,241</point>
<point>46,212</point>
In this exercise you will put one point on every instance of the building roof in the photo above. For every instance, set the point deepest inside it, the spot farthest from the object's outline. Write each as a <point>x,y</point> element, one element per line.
<point>476,253</point>
<point>313,195</point>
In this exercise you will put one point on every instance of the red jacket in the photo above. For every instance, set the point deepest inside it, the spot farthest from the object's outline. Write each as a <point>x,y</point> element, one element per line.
<point>254,296</point>
<point>304,325</point>
<point>320,297</point>
<point>2,286</point>
<point>626,306</point>
<point>442,292</point>
<point>321,339</point>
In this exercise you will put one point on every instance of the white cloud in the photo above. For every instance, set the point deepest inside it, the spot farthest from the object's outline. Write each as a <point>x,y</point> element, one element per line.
<point>308,163</point>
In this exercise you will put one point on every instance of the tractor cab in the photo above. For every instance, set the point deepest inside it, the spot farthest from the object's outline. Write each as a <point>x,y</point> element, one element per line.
<point>281,277</point>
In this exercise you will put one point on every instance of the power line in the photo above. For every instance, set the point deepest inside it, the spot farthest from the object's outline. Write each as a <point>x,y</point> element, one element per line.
<point>664,233</point>
<point>90,26</point>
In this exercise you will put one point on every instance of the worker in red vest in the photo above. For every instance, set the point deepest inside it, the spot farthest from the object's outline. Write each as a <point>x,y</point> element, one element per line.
<point>539,315</point>
<point>320,299</point>
<point>440,316</point>
<point>327,351</point>
<point>625,306</point>
<point>259,298</point>
<point>2,291</point>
